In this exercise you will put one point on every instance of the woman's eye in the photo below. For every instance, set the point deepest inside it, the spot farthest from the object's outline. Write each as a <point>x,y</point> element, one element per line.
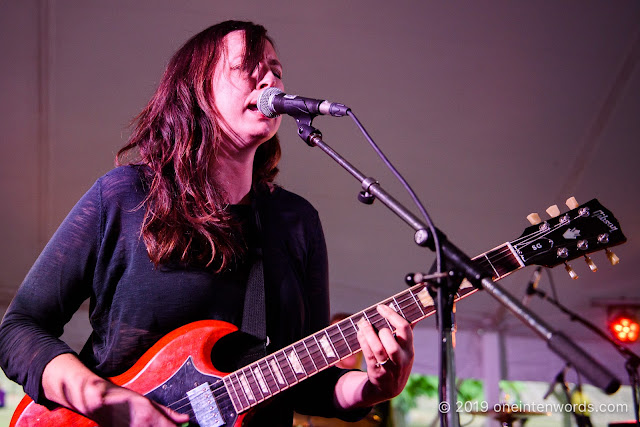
<point>277,73</point>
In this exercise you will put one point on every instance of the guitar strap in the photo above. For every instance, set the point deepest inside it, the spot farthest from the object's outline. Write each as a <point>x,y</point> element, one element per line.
<point>254,317</point>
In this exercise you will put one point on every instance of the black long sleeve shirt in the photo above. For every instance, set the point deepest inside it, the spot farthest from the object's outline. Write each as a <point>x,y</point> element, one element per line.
<point>97,254</point>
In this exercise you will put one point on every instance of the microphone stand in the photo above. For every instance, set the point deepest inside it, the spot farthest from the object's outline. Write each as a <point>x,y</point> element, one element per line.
<point>463,267</point>
<point>633,361</point>
<point>559,379</point>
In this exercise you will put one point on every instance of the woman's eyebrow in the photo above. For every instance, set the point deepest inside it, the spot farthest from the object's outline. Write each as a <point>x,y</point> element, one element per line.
<point>274,62</point>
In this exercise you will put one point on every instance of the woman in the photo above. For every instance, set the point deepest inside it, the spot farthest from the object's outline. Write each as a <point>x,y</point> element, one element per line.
<point>167,240</point>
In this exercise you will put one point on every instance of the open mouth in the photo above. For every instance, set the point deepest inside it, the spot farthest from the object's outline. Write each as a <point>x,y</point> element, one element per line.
<point>252,107</point>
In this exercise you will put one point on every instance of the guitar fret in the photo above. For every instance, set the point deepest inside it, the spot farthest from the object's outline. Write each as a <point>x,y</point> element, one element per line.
<point>416,301</point>
<point>352,339</point>
<point>310,356</point>
<point>345,340</point>
<point>262,382</point>
<point>411,307</point>
<point>271,380</point>
<point>254,383</point>
<point>496,274</point>
<point>242,397</point>
<point>328,351</point>
<point>327,347</point>
<point>425,298</point>
<point>303,357</point>
<point>397,307</point>
<point>322,351</point>
<point>278,371</point>
<point>415,314</point>
<point>245,387</point>
<point>377,321</point>
<point>287,369</point>
<point>235,400</point>
<point>339,341</point>
<point>317,355</point>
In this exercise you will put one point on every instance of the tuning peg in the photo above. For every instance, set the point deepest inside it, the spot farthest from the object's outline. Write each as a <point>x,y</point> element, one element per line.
<point>592,265</point>
<point>572,203</point>
<point>613,258</point>
<point>553,211</point>
<point>534,218</point>
<point>571,271</point>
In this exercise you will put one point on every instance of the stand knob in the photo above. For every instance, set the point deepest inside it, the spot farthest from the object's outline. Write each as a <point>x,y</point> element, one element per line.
<point>366,197</point>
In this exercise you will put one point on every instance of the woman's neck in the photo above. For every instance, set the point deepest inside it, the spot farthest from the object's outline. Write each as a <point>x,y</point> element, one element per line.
<point>235,174</point>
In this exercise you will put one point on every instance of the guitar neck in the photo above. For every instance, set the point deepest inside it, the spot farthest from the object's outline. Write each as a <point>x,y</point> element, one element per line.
<point>278,371</point>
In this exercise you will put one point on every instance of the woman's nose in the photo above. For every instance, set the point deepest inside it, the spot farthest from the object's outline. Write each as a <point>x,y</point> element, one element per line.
<point>266,77</point>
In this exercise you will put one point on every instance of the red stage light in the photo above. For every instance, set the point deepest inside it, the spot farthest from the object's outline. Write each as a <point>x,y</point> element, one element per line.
<point>625,328</point>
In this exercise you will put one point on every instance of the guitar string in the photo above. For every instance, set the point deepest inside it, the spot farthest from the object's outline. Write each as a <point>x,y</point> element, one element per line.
<point>406,302</point>
<point>555,227</point>
<point>348,337</point>
<point>501,254</point>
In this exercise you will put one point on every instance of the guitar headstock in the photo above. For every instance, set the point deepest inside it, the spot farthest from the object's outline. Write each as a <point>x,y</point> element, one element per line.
<point>583,230</point>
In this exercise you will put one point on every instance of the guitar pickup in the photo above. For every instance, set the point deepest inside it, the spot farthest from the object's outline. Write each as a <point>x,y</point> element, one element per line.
<point>204,406</point>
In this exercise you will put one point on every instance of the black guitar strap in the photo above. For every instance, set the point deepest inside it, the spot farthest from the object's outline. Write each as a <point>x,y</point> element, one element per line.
<point>254,317</point>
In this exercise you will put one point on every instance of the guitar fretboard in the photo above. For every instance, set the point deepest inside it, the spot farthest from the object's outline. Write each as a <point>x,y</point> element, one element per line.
<point>279,371</point>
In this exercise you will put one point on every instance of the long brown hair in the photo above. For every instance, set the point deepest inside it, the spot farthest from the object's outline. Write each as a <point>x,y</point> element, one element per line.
<point>177,136</point>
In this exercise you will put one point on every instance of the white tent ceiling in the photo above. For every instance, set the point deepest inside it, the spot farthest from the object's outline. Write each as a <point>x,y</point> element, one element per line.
<point>491,110</point>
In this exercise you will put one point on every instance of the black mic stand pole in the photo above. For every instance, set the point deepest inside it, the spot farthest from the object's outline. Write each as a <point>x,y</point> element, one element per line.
<point>560,379</point>
<point>464,267</point>
<point>633,361</point>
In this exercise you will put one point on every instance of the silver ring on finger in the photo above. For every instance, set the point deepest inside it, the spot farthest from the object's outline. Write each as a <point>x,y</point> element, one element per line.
<point>381,364</point>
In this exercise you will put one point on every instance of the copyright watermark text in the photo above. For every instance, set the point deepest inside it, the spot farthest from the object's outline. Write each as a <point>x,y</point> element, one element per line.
<point>581,408</point>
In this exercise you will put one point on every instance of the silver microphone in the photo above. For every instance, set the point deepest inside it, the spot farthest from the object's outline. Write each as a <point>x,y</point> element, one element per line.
<point>272,102</point>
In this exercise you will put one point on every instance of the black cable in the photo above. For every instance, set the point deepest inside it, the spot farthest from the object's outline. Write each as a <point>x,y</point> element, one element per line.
<point>406,185</point>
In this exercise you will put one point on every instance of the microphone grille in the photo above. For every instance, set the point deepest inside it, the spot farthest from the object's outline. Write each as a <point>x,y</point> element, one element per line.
<point>264,102</point>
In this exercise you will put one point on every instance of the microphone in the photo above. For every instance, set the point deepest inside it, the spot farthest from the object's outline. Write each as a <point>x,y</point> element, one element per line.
<point>272,102</point>
<point>533,285</point>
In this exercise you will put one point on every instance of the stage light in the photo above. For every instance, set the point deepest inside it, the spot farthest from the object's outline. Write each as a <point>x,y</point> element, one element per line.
<point>624,326</point>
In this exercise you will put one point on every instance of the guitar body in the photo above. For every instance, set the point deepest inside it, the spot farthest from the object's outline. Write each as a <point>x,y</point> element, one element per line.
<point>164,374</point>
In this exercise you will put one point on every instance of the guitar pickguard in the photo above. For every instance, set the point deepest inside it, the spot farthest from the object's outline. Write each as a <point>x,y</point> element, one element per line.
<point>173,393</point>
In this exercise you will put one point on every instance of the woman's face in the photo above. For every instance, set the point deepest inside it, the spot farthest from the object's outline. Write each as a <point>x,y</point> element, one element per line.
<point>235,93</point>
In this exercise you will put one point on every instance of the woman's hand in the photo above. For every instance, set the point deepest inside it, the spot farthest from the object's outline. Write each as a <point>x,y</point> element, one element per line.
<point>111,405</point>
<point>67,381</point>
<point>389,360</point>
<point>389,357</point>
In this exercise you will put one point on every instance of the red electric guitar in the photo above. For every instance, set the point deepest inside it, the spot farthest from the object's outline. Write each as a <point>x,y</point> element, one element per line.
<point>178,372</point>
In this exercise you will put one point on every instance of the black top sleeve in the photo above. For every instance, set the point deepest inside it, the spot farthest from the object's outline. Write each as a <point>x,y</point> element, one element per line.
<point>52,291</point>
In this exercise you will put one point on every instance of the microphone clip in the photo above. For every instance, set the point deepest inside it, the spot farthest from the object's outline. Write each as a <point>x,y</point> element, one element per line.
<point>306,131</point>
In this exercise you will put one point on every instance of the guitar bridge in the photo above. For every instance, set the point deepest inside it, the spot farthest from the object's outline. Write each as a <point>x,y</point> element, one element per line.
<point>204,406</point>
